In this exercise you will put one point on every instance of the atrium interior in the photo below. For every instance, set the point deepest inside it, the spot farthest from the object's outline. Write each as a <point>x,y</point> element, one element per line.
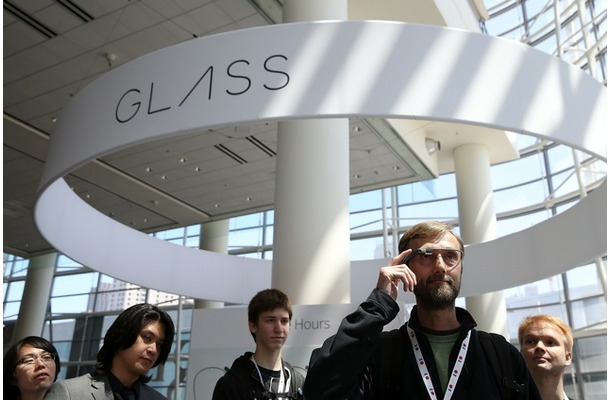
<point>53,50</point>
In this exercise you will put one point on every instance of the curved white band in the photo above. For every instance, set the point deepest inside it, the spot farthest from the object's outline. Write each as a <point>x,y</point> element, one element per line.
<point>317,69</point>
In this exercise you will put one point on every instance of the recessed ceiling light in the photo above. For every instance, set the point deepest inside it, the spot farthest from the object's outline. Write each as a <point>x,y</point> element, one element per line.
<point>164,177</point>
<point>183,159</point>
<point>148,169</point>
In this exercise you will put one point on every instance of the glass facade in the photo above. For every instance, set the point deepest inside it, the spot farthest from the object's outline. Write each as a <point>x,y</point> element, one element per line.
<point>546,180</point>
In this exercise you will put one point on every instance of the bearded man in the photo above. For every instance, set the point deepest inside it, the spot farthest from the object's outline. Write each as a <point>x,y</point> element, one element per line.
<point>436,354</point>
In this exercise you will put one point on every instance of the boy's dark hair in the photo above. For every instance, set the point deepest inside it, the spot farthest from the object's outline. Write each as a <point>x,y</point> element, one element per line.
<point>124,332</point>
<point>11,358</point>
<point>267,300</point>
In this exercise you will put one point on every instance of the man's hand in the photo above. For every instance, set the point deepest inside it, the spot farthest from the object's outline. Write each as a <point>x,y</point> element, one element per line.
<point>392,275</point>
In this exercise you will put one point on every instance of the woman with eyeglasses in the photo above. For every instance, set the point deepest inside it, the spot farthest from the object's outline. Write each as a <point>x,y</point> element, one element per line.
<point>30,367</point>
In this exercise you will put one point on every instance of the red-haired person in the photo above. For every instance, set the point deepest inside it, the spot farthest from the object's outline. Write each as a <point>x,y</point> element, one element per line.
<point>546,344</point>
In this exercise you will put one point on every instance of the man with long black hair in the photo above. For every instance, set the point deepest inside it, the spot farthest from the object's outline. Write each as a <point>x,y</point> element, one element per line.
<point>139,339</point>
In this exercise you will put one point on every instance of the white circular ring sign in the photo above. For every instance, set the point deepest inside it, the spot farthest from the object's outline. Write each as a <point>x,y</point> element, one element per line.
<point>294,71</point>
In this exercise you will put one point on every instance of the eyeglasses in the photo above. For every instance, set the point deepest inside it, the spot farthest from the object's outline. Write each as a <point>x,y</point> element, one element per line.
<point>30,360</point>
<point>428,257</point>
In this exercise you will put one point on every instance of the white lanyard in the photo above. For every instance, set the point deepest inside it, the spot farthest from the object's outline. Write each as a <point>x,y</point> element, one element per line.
<point>423,370</point>
<point>281,387</point>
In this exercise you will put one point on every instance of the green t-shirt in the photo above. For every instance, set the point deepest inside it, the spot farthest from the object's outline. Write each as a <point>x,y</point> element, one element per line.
<point>441,348</point>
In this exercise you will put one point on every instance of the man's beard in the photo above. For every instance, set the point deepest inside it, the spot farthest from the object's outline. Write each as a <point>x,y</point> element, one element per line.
<point>439,297</point>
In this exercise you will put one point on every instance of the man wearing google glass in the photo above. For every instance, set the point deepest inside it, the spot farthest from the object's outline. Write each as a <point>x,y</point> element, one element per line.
<point>436,354</point>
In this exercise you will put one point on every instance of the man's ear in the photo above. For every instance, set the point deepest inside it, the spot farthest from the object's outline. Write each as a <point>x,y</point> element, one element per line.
<point>252,326</point>
<point>568,358</point>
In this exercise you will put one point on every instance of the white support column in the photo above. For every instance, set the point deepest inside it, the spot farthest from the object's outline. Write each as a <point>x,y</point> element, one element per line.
<point>311,225</point>
<point>478,224</point>
<point>36,294</point>
<point>213,236</point>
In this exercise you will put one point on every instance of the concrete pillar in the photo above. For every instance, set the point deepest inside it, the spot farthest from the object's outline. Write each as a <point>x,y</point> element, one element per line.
<point>478,224</point>
<point>213,236</point>
<point>311,225</point>
<point>36,295</point>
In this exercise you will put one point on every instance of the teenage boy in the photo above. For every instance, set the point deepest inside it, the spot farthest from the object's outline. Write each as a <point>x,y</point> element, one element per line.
<point>263,374</point>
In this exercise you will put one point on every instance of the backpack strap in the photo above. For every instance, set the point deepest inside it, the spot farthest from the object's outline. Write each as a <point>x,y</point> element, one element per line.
<point>296,384</point>
<point>499,359</point>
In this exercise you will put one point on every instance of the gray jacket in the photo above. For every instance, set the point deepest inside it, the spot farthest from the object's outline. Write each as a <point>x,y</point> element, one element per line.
<point>87,387</point>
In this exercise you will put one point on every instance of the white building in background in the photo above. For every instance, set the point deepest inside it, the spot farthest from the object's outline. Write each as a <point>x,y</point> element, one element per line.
<point>119,295</point>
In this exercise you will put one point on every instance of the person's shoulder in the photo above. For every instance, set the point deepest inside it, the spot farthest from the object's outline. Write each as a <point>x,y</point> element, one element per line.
<point>226,380</point>
<point>240,366</point>
<point>507,353</point>
<point>498,340</point>
<point>293,370</point>
<point>64,389</point>
<point>496,337</point>
<point>148,392</point>
<point>242,363</point>
<point>232,380</point>
<point>76,381</point>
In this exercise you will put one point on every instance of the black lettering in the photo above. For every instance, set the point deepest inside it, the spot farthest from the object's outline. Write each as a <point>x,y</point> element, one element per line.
<point>130,102</point>
<point>152,85</point>
<point>136,104</point>
<point>211,71</point>
<point>249,82</point>
<point>275,71</point>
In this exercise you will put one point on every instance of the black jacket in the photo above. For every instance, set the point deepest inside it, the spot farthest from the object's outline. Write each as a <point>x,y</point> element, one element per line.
<point>242,381</point>
<point>349,364</point>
